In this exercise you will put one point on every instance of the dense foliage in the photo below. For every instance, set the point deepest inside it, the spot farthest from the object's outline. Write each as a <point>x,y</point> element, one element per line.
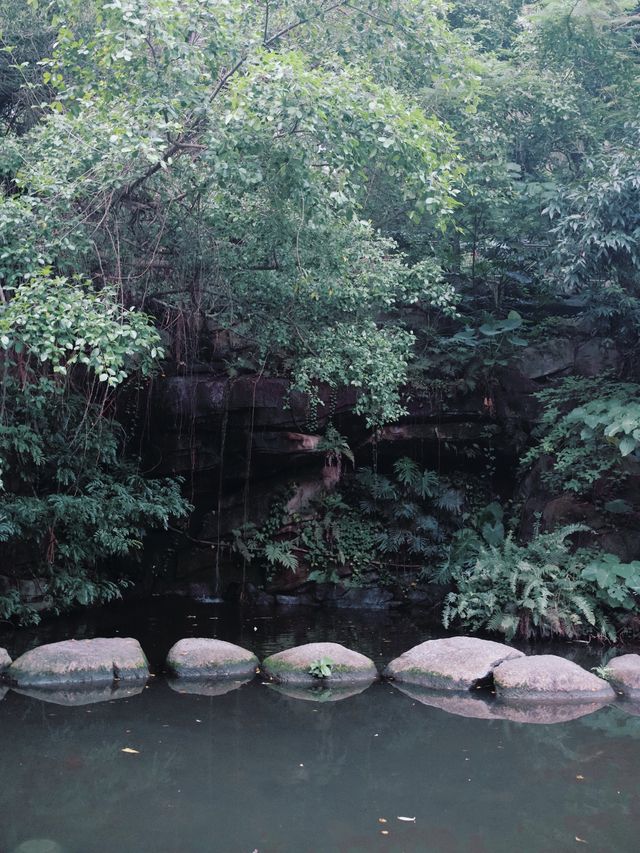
<point>397,197</point>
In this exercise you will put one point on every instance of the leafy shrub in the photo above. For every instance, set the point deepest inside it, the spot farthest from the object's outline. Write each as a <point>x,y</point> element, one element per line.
<point>587,429</point>
<point>537,589</point>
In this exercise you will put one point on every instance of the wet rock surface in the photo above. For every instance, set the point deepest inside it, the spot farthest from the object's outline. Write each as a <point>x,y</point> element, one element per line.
<point>624,673</point>
<point>204,658</point>
<point>98,661</point>
<point>453,663</point>
<point>5,660</point>
<point>292,665</point>
<point>548,678</point>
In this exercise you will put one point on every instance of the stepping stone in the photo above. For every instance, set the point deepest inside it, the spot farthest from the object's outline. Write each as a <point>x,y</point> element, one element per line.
<point>98,661</point>
<point>548,678</point>
<point>204,658</point>
<point>624,673</point>
<point>5,660</point>
<point>292,666</point>
<point>454,663</point>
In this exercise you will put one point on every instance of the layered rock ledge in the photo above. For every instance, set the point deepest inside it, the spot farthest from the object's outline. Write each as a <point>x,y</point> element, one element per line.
<point>204,658</point>
<point>453,663</point>
<point>624,673</point>
<point>293,665</point>
<point>97,661</point>
<point>548,678</point>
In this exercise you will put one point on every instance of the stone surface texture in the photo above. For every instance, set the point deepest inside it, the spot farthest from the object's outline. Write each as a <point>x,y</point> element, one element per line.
<point>201,657</point>
<point>292,666</point>
<point>548,678</point>
<point>453,663</point>
<point>97,661</point>
<point>624,674</point>
<point>5,660</point>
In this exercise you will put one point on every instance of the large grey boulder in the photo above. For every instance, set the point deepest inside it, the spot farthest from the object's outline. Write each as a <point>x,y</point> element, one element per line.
<point>202,657</point>
<point>98,661</point>
<point>453,663</point>
<point>548,678</point>
<point>5,661</point>
<point>292,666</point>
<point>624,673</point>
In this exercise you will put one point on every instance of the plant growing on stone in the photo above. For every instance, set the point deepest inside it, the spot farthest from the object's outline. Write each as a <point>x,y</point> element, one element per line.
<point>321,668</point>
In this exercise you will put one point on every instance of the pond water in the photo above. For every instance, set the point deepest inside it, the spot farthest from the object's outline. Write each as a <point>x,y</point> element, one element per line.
<point>255,769</point>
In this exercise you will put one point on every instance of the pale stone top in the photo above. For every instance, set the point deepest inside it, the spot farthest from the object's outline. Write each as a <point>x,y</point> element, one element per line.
<point>453,663</point>
<point>203,657</point>
<point>5,660</point>
<point>548,677</point>
<point>292,666</point>
<point>624,673</point>
<point>79,661</point>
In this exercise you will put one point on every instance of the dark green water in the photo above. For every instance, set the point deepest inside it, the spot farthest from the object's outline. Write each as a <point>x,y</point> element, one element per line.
<point>255,769</point>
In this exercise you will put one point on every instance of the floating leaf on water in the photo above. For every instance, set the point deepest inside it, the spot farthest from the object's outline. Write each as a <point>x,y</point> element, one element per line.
<point>130,751</point>
<point>581,840</point>
<point>382,820</point>
<point>407,819</point>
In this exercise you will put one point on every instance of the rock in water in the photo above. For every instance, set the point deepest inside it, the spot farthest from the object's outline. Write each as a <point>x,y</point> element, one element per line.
<point>624,674</point>
<point>346,666</point>
<point>80,662</point>
<point>203,658</point>
<point>5,660</point>
<point>548,678</point>
<point>454,663</point>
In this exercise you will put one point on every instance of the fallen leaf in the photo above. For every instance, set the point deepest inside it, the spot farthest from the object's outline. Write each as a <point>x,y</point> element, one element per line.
<point>579,777</point>
<point>130,751</point>
<point>408,819</point>
<point>384,832</point>
<point>581,840</point>
<point>382,820</point>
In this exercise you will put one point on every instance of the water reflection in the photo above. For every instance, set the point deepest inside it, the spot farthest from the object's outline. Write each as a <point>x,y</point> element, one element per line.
<point>204,687</point>
<point>321,694</point>
<point>76,696</point>
<point>481,706</point>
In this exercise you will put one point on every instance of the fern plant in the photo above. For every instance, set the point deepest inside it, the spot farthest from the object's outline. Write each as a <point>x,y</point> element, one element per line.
<point>533,590</point>
<point>415,511</point>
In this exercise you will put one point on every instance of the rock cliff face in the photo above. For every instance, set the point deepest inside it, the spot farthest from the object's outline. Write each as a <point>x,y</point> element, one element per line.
<point>237,441</point>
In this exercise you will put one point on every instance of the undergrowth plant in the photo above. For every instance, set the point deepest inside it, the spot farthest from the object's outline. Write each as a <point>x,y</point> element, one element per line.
<point>540,589</point>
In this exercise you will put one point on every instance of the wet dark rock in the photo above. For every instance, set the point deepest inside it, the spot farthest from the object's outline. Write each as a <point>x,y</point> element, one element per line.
<point>548,678</point>
<point>301,600</point>
<point>623,673</point>
<point>97,661</point>
<point>292,665</point>
<point>453,663</point>
<point>5,661</point>
<point>358,598</point>
<point>202,657</point>
<point>87,695</point>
